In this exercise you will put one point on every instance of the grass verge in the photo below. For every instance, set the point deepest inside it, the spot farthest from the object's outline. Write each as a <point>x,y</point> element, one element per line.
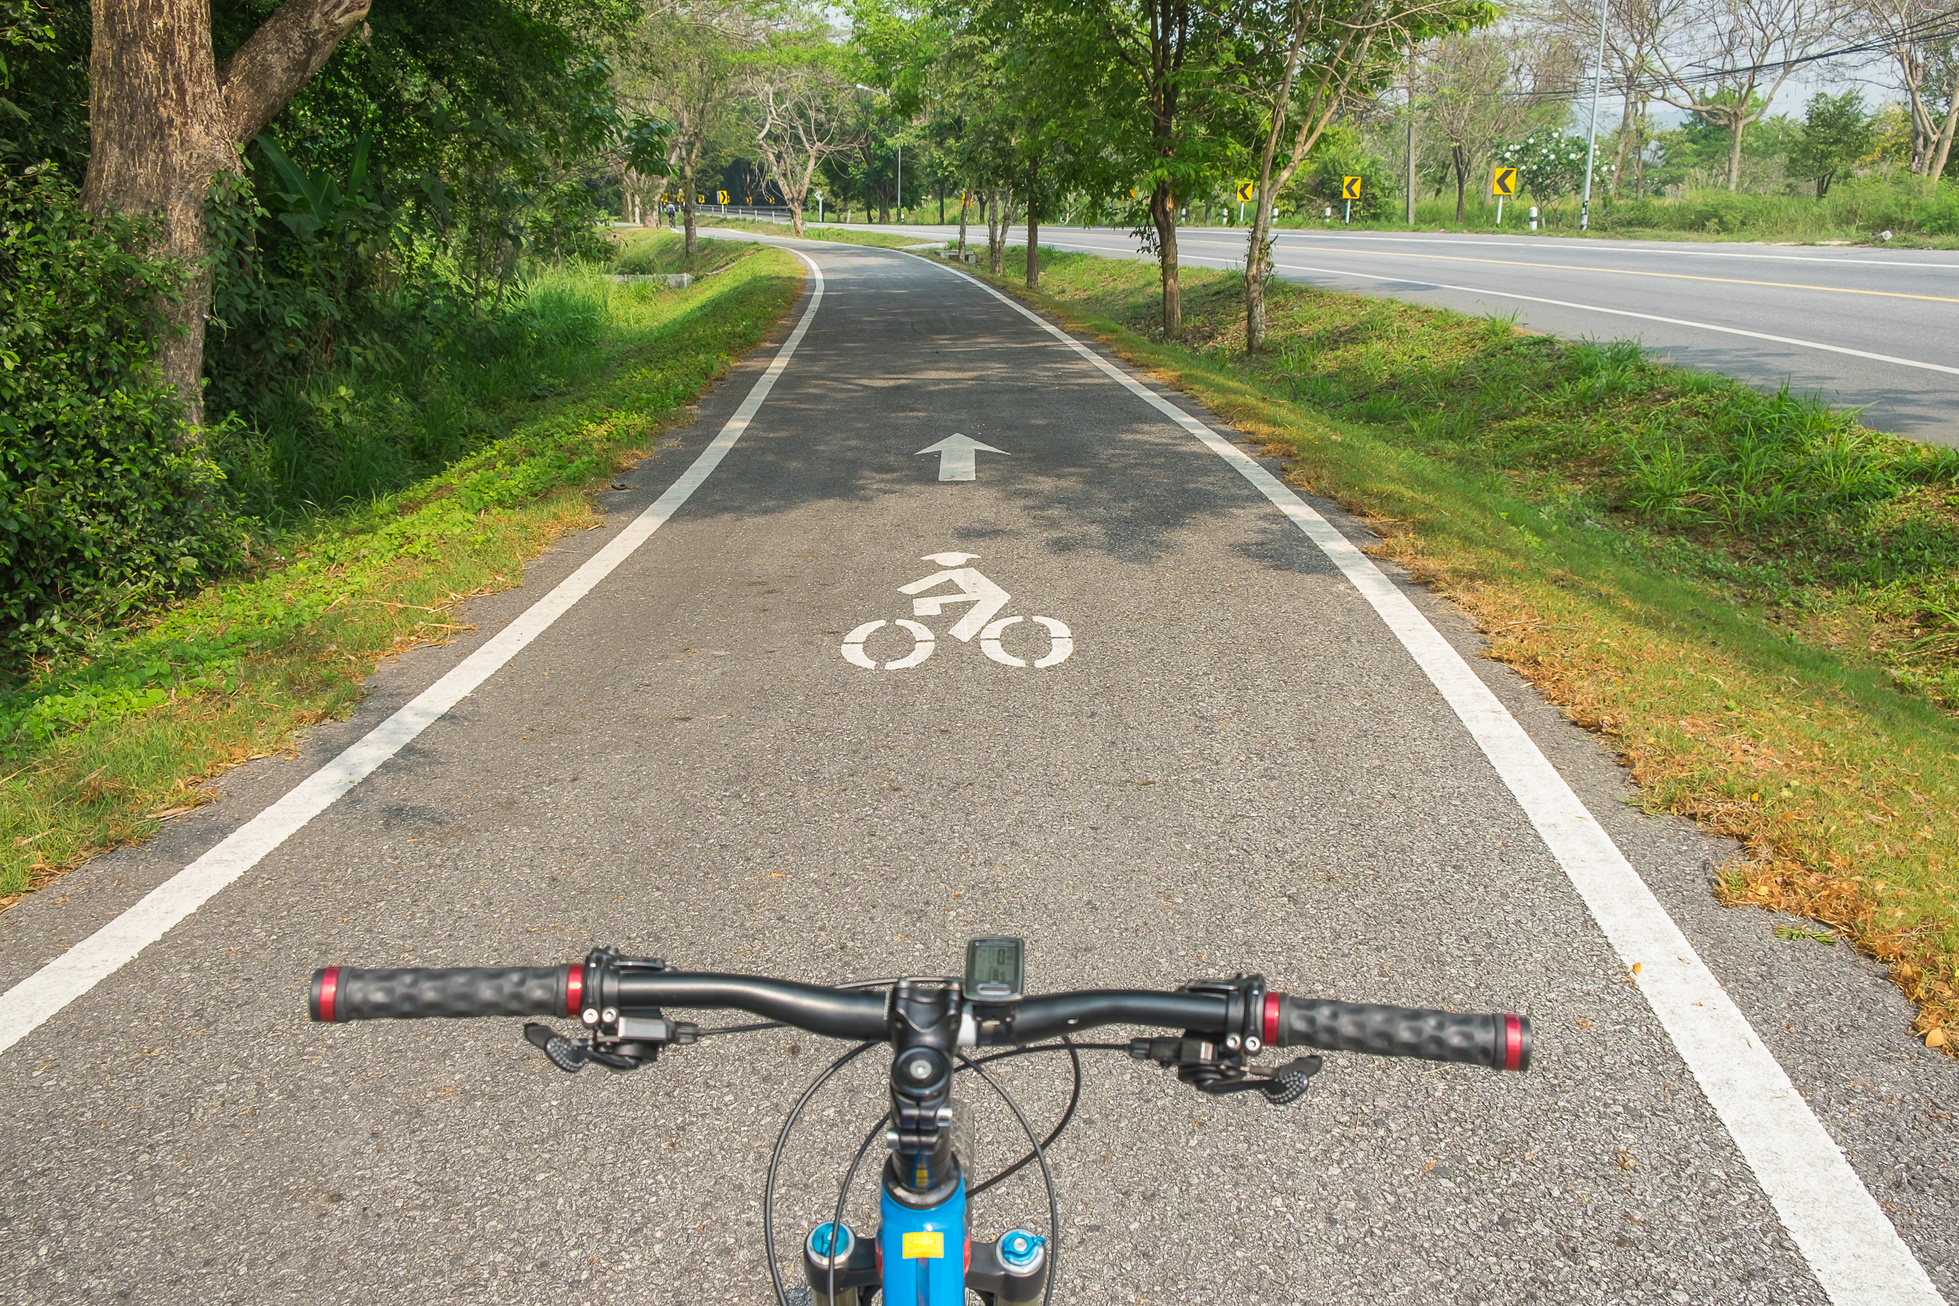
<point>1754,600</point>
<point>837,235</point>
<point>96,750</point>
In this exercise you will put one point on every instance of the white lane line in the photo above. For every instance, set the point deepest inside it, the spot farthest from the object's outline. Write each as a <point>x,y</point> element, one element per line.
<point>1649,317</point>
<point>32,1001</point>
<point>1855,1253</point>
<point>1583,308</point>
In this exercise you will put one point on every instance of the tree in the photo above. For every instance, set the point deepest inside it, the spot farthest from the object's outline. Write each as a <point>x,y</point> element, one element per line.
<point>1917,39</point>
<point>1327,54</point>
<point>1474,83</point>
<point>1836,133</point>
<point>1633,30</point>
<point>166,119</point>
<point>1171,74</point>
<point>1727,59</point>
<point>806,118</point>
<point>687,61</point>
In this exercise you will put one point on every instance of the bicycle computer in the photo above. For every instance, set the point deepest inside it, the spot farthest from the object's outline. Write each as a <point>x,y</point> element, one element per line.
<point>996,970</point>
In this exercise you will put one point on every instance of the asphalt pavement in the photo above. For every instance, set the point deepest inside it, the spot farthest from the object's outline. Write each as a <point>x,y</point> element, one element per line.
<point>1232,763</point>
<point>1866,327</point>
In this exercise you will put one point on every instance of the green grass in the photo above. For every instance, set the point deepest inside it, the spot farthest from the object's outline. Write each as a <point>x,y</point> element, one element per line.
<point>839,235</point>
<point>663,252</point>
<point>1752,598</point>
<point>96,749</point>
<point>1919,214</point>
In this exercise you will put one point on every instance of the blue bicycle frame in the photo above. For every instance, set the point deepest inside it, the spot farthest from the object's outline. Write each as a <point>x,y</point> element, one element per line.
<point>924,1253</point>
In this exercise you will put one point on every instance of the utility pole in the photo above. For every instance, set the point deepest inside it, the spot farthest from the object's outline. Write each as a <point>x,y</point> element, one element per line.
<point>1411,133</point>
<point>1591,133</point>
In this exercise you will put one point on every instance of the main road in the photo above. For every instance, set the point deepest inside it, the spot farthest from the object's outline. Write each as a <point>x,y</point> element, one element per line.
<point>1869,328</point>
<point>1216,738</point>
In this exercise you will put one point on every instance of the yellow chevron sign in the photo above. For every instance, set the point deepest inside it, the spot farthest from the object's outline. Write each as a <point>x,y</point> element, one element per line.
<point>1350,188</point>
<point>1504,182</point>
<point>1247,190</point>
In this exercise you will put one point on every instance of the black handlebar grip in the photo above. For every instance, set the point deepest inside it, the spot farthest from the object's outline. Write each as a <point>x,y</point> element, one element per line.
<point>343,994</point>
<point>1500,1041</point>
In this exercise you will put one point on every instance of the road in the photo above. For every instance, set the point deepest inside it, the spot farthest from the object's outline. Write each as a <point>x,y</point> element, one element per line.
<point>1261,753</point>
<point>1864,328</point>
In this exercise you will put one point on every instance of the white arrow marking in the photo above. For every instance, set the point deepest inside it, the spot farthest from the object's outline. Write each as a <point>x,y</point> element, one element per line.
<point>956,461</point>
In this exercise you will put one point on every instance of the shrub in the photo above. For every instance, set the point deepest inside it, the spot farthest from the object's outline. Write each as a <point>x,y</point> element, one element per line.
<point>101,504</point>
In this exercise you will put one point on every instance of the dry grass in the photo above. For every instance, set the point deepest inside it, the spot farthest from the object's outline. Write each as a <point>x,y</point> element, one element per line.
<point>1775,709</point>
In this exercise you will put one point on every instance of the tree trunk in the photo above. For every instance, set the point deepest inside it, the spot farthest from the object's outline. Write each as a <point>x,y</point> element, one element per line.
<point>996,232</point>
<point>689,241</point>
<point>1735,127</point>
<point>1943,150</point>
<point>1457,155</point>
<point>1163,212</point>
<point>1033,228</point>
<point>962,224</point>
<point>164,121</point>
<point>1619,147</point>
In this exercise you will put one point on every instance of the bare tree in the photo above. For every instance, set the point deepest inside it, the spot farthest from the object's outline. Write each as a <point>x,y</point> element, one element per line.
<point>1726,59</point>
<point>804,121</point>
<point>166,119</point>
<point>1914,35</point>
<point>1480,88</point>
<point>1633,31</point>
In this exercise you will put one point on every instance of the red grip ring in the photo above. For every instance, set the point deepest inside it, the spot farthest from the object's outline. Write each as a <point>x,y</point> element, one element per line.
<point>1271,1020</point>
<point>574,988</point>
<point>1513,1042</point>
<point>329,986</point>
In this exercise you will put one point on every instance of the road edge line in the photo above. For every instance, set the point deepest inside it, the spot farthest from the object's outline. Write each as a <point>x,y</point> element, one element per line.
<point>33,1001</point>
<point>1844,1236</point>
<point>1644,317</point>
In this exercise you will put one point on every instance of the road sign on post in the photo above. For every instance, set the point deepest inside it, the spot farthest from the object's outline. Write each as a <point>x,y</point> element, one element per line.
<point>1246,190</point>
<point>723,194</point>
<point>1350,191</point>
<point>1503,183</point>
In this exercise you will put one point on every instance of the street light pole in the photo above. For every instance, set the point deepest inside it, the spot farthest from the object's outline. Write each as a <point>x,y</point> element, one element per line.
<point>1591,133</point>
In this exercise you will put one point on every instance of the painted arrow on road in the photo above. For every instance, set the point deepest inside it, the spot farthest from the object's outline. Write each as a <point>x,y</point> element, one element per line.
<point>956,461</point>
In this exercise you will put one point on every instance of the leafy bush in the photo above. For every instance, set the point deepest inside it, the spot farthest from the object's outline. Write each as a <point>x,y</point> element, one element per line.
<point>1341,153</point>
<point>1549,162</point>
<point>101,507</point>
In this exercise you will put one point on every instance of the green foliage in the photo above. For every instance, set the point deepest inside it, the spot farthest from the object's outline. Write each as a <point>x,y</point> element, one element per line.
<point>1859,206</point>
<point>1341,153</point>
<point>1549,163</point>
<point>1836,133</point>
<point>101,509</point>
<point>44,84</point>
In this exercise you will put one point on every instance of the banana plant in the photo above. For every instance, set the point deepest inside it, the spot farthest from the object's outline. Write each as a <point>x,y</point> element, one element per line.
<point>319,204</point>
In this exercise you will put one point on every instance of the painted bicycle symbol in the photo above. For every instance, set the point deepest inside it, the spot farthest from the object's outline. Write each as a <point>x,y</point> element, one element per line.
<point>982,619</point>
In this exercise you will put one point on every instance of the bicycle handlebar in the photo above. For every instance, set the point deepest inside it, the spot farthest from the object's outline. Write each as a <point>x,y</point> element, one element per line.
<point>1498,1041</point>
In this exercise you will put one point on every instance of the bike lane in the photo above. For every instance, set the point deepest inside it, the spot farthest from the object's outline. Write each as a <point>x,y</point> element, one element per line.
<point>1234,766</point>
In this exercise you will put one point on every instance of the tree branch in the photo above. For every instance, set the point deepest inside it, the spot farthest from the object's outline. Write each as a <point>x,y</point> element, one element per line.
<point>264,74</point>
